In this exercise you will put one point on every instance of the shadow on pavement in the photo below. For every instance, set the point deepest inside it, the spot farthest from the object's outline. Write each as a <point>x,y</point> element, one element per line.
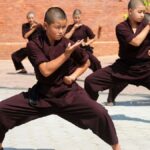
<point>15,73</point>
<point>134,103</point>
<point>124,117</point>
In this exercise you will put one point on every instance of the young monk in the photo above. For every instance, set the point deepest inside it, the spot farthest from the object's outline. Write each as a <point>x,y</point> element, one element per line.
<point>30,30</point>
<point>57,63</point>
<point>78,31</point>
<point>133,66</point>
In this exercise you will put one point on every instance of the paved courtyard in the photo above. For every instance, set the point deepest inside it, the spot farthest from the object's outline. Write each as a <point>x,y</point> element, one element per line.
<point>131,116</point>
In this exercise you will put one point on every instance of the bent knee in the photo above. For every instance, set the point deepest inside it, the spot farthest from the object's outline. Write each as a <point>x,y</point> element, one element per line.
<point>88,80</point>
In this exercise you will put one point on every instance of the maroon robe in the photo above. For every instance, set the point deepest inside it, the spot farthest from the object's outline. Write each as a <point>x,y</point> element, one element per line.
<point>21,54</point>
<point>70,102</point>
<point>133,66</point>
<point>134,62</point>
<point>84,32</point>
<point>36,33</point>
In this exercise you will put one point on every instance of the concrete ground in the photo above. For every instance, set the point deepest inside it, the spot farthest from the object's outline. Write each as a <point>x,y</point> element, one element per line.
<point>131,117</point>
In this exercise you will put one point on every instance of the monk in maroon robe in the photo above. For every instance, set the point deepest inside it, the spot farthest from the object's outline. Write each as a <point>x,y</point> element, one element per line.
<point>30,30</point>
<point>78,31</point>
<point>57,63</point>
<point>133,66</point>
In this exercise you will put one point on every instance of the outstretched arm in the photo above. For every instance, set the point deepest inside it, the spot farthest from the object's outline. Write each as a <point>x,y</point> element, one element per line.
<point>48,68</point>
<point>90,41</point>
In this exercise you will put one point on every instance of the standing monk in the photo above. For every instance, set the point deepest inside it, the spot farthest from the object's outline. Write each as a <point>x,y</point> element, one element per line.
<point>133,66</point>
<point>57,64</point>
<point>30,30</point>
<point>78,31</point>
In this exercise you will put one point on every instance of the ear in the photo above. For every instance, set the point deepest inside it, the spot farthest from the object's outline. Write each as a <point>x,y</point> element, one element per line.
<point>45,25</point>
<point>130,11</point>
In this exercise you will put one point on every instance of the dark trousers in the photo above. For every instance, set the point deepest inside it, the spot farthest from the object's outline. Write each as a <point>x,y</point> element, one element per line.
<point>115,90</point>
<point>18,56</point>
<point>95,63</point>
<point>75,106</point>
<point>102,79</point>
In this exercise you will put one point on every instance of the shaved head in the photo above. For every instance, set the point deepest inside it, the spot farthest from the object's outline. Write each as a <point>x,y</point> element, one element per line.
<point>54,13</point>
<point>30,13</point>
<point>135,3</point>
<point>76,12</point>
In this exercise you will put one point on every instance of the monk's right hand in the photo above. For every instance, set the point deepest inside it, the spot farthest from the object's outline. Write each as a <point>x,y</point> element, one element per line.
<point>34,25</point>
<point>77,25</point>
<point>70,48</point>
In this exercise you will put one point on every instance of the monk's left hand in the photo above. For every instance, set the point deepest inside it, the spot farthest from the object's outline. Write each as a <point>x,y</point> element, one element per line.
<point>69,80</point>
